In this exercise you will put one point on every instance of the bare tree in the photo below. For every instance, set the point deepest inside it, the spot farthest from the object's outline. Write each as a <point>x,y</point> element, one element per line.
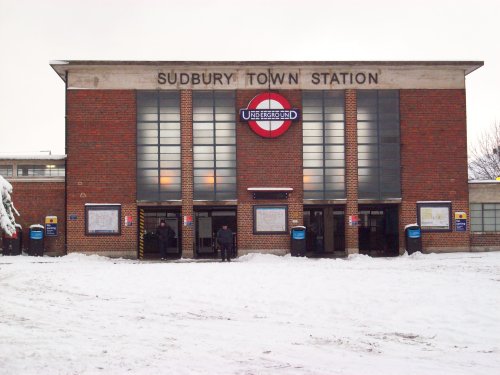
<point>484,157</point>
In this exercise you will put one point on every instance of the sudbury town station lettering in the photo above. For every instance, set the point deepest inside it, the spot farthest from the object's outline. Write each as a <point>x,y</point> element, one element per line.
<point>265,78</point>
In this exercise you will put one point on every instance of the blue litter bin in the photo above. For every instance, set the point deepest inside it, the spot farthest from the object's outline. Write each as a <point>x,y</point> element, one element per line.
<point>413,237</point>
<point>36,244</point>
<point>298,241</point>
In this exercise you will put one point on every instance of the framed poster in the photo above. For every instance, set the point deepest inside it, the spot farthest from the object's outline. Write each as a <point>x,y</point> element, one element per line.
<point>270,219</point>
<point>103,219</point>
<point>434,216</point>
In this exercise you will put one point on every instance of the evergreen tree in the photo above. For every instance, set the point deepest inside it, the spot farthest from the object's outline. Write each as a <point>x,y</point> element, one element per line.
<point>7,209</point>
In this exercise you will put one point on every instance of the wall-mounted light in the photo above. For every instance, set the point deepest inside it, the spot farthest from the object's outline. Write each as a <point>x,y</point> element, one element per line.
<point>165,180</point>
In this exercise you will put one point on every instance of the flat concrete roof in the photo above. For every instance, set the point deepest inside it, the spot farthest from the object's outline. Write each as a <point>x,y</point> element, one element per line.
<point>31,157</point>
<point>61,66</point>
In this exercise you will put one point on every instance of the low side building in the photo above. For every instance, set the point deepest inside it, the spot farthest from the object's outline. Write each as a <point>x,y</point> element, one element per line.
<point>39,192</point>
<point>484,199</point>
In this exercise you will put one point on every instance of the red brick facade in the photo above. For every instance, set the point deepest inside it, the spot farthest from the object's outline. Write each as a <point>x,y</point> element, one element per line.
<point>268,162</point>
<point>35,201</point>
<point>485,241</point>
<point>434,159</point>
<point>101,168</point>
<point>101,165</point>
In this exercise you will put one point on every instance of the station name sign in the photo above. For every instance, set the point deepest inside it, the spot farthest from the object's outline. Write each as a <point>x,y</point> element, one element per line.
<point>269,78</point>
<point>260,76</point>
<point>269,114</point>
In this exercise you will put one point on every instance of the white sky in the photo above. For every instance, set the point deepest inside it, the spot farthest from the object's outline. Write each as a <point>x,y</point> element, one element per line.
<point>34,32</point>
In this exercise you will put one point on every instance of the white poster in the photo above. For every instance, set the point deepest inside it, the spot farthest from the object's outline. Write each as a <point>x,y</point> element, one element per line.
<point>103,221</point>
<point>435,217</point>
<point>270,219</point>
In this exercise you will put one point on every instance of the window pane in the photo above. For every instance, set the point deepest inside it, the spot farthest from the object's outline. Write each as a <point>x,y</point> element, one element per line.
<point>378,144</point>
<point>323,139</point>
<point>214,127</point>
<point>476,220</point>
<point>158,145</point>
<point>476,228</point>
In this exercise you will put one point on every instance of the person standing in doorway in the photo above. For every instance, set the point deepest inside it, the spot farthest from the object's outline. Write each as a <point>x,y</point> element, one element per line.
<point>225,241</point>
<point>164,234</point>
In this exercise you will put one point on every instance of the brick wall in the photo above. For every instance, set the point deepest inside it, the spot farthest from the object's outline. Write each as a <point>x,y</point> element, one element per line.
<point>434,159</point>
<point>268,162</point>
<point>101,165</point>
<point>485,241</point>
<point>351,170</point>
<point>187,170</point>
<point>34,201</point>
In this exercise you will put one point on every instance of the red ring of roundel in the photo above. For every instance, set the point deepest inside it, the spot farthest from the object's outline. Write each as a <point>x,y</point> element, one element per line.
<point>268,96</point>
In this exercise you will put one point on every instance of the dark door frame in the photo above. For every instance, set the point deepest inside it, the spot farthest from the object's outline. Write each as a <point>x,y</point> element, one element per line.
<point>381,240</point>
<point>210,209</point>
<point>141,236</point>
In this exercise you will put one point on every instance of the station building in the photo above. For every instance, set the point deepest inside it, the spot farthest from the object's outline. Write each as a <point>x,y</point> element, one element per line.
<point>354,151</point>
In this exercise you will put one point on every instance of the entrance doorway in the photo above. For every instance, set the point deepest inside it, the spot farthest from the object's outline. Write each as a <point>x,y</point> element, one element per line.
<point>208,221</point>
<point>325,230</point>
<point>152,218</point>
<point>378,230</point>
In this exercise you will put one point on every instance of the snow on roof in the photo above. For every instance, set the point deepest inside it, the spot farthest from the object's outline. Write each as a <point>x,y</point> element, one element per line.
<point>433,201</point>
<point>102,204</point>
<point>411,225</point>
<point>31,157</point>
<point>484,181</point>
<point>58,62</point>
<point>270,189</point>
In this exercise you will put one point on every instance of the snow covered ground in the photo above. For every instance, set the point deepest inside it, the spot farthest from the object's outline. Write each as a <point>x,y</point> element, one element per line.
<point>261,314</point>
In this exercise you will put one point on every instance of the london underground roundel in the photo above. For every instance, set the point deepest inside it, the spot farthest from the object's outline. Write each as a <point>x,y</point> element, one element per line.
<point>269,114</point>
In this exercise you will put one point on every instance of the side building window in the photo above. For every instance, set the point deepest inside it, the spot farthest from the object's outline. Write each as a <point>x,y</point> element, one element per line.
<point>485,217</point>
<point>158,146</point>
<point>46,170</point>
<point>378,144</point>
<point>6,170</point>
<point>323,144</point>
<point>214,145</point>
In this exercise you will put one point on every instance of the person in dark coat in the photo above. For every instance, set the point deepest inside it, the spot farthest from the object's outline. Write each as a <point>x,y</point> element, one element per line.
<point>225,242</point>
<point>164,234</point>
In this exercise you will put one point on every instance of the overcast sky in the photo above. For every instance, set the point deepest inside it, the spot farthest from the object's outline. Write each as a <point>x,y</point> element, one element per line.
<point>34,32</point>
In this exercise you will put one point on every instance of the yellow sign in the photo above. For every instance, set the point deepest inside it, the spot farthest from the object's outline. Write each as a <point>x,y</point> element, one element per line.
<point>460,215</point>
<point>50,219</point>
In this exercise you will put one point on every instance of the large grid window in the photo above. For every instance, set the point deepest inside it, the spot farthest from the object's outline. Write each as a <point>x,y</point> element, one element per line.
<point>158,146</point>
<point>378,144</point>
<point>49,170</point>
<point>214,145</point>
<point>6,170</point>
<point>485,217</point>
<point>323,144</point>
